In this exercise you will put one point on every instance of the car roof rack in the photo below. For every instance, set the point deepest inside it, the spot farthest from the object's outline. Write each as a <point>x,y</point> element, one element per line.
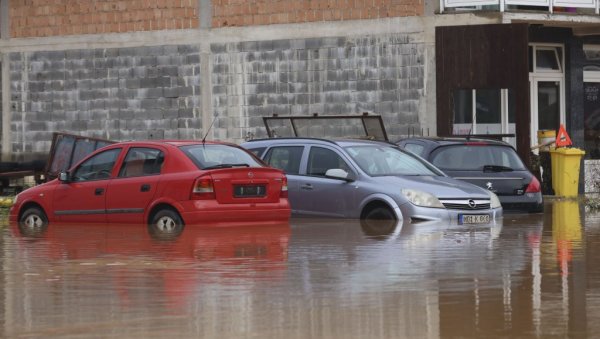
<point>367,126</point>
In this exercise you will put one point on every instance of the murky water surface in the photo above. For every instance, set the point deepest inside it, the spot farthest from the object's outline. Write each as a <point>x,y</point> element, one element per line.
<point>528,276</point>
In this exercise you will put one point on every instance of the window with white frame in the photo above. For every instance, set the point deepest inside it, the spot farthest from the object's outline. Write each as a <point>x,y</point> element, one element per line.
<point>484,111</point>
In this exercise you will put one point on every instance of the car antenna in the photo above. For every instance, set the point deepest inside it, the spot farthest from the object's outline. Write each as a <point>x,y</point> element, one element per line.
<point>469,135</point>
<point>208,130</point>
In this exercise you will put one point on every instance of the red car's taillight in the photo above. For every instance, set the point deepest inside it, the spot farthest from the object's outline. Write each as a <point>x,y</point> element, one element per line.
<point>534,186</point>
<point>284,188</point>
<point>203,189</point>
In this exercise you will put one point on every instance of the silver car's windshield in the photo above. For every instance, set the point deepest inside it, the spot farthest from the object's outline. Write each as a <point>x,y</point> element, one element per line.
<point>378,160</point>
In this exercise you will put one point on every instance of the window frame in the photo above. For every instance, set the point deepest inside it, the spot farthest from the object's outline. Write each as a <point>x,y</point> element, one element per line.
<point>269,153</point>
<point>136,148</point>
<point>72,175</point>
<point>306,164</point>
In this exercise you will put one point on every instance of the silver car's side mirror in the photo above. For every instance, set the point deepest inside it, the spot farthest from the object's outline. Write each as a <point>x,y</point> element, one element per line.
<point>63,176</point>
<point>338,173</point>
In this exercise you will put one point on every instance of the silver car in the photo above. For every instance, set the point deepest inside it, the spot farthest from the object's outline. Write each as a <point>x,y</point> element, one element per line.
<point>372,180</point>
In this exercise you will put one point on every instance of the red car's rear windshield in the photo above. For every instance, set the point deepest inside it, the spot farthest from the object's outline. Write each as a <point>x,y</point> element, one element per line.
<point>219,156</point>
<point>475,157</point>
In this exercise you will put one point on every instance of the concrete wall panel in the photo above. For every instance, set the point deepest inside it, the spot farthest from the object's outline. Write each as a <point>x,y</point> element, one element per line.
<point>115,94</point>
<point>335,75</point>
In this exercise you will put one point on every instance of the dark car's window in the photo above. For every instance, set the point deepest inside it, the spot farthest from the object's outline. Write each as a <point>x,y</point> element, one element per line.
<point>415,148</point>
<point>211,156</point>
<point>475,157</point>
<point>257,151</point>
<point>322,159</point>
<point>286,158</point>
<point>142,161</point>
<point>97,167</point>
<point>378,160</point>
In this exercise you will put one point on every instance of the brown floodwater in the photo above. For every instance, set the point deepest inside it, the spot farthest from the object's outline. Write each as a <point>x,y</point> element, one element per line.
<point>525,276</point>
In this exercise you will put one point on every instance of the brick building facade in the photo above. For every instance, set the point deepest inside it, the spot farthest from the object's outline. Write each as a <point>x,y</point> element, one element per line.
<point>133,69</point>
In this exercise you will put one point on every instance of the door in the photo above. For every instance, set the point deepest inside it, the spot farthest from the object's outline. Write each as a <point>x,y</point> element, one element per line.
<point>547,91</point>
<point>322,196</point>
<point>132,191</point>
<point>547,105</point>
<point>288,159</point>
<point>591,114</point>
<point>83,197</point>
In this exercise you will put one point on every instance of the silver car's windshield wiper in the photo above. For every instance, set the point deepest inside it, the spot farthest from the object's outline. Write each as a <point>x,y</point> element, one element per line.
<point>226,166</point>
<point>496,168</point>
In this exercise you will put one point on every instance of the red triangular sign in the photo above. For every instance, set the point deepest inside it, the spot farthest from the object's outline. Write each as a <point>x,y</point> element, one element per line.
<point>562,138</point>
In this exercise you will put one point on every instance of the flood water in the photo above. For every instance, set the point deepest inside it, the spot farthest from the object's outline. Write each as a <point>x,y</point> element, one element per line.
<point>526,276</point>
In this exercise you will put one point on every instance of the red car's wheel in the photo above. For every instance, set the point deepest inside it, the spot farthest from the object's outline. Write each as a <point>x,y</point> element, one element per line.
<point>166,223</point>
<point>33,220</point>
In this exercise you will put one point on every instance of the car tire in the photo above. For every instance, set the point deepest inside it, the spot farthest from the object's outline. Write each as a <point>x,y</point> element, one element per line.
<point>33,221</point>
<point>166,224</point>
<point>380,213</point>
<point>378,229</point>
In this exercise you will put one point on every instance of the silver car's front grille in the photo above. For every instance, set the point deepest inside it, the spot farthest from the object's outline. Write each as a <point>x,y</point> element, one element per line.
<point>466,204</point>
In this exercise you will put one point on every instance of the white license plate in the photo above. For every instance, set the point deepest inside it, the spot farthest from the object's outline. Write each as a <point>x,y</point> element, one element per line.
<point>473,218</point>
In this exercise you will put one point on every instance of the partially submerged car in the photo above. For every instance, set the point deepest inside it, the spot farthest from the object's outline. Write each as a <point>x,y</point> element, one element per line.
<point>167,184</point>
<point>490,164</point>
<point>372,180</point>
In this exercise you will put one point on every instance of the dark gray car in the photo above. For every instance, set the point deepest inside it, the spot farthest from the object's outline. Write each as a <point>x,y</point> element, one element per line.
<point>370,179</point>
<point>490,164</point>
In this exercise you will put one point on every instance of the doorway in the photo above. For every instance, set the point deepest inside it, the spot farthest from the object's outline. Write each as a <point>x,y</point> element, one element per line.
<point>547,89</point>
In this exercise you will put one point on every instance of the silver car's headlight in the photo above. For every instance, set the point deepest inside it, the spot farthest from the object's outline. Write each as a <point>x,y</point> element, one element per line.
<point>421,198</point>
<point>494,201</point>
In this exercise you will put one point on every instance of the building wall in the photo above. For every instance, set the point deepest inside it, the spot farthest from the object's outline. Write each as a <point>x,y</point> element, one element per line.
<point>118,93</point>
<point>382,74</point>
<point>154,92</point>
<point>267,12</point>
<point>41,18</point>
<point>173,81</point>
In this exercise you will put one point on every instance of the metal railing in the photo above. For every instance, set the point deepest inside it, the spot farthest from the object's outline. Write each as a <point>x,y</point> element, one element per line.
<point>533,4</point>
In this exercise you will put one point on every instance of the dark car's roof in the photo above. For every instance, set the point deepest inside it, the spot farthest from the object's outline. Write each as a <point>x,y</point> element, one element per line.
<point>444,141</point>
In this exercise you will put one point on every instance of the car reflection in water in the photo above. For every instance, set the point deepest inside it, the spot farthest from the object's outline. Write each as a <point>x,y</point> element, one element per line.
<point>433,248</point>
<point>129,256</point>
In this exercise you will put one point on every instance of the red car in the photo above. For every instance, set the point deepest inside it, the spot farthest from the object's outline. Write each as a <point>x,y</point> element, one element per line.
<point>167,184</point>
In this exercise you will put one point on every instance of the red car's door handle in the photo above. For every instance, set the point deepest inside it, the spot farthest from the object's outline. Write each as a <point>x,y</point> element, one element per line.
<point>99,191</point>
<point>145,188</point>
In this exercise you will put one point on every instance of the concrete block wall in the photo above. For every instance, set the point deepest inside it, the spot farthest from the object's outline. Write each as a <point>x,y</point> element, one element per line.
<point>145,82</point>
<point>41,18</point>
<point>267,12</point>
<point>118,94</point>
<point>382,74</point>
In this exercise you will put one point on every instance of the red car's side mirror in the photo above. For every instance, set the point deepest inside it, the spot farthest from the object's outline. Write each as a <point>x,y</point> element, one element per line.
<point>63,176</point>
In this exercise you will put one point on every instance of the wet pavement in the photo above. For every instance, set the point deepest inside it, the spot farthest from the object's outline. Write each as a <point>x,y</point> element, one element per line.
<point>526,276</point>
